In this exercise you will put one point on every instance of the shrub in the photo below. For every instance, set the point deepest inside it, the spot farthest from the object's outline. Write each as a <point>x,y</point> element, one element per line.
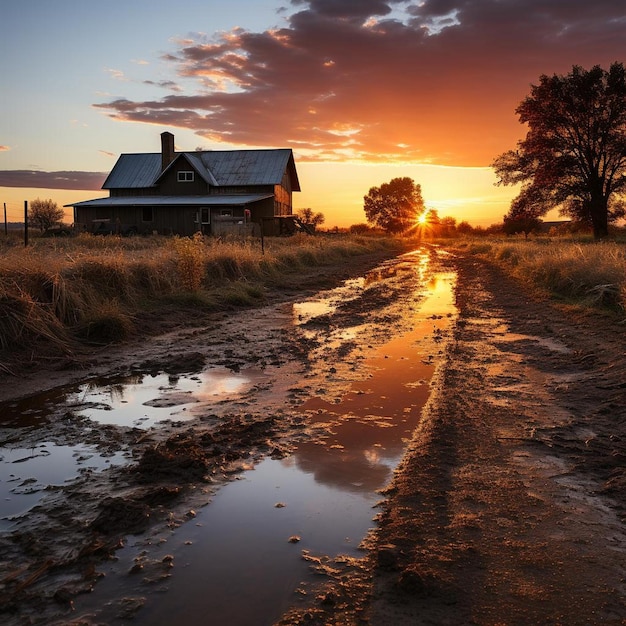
<point>190,261</point>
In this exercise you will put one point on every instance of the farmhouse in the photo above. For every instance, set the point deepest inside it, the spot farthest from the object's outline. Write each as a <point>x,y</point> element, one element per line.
<point>213,192</point>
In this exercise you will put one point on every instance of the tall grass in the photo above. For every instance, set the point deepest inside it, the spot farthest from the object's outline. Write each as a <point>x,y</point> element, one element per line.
<point>591,274</point>
<point>92,288</point>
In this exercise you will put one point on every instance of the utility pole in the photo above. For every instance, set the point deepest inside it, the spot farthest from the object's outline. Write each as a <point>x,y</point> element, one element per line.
<point>6,227</point>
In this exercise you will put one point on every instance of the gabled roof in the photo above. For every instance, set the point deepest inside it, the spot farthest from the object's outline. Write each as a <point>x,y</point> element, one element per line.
<point>217,167</point>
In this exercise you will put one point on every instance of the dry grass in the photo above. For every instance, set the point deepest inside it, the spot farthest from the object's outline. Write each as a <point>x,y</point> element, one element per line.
<point>591,274</point>
<point>91,288</point>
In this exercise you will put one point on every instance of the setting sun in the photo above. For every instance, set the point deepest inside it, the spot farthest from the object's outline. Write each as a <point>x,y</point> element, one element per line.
<point>421,219</point>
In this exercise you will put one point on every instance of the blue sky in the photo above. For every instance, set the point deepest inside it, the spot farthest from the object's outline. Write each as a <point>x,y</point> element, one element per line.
<point>361,90</point>
<point>60,57</point>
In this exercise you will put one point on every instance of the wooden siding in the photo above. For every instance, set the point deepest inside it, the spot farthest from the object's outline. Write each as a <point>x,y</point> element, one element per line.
<point>130,193</point>
<point>282,201</point>
<point>170,186</point>
<point>165,220</point>
<point>241,189</point>
<point>168,220</point>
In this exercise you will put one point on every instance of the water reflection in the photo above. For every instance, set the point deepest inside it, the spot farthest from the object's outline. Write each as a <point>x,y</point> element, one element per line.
<point>31,411</point>
<point>144,401</point>
<point>27,474</point>
<point>243,567</point>
<point>326,304</point>
<point>370,424</point>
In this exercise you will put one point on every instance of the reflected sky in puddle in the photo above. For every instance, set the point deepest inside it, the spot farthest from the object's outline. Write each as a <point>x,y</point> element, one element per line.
<point>235,558</point>
<point>304,312</point>
<point>144,401</point>
<point>370,424</point>
<point>139,401</point>
<point>26,473</point>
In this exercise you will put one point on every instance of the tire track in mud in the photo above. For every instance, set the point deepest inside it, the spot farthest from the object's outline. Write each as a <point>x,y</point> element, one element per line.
<point>492,519</point>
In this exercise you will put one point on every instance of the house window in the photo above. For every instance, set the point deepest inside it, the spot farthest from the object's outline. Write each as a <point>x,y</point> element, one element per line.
<point>226,213</point>
<point>185,177</point>
<point>147,214</point>
<point>205,216</point>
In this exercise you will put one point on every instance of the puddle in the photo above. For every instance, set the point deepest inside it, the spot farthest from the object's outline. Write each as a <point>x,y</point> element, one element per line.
<point>304,312</point>
<point>144,401</point>
<point>235,559</point>
<point>372,422</point>
<point>27,474</point>
<point>136,400</point>
<point>32,411</point>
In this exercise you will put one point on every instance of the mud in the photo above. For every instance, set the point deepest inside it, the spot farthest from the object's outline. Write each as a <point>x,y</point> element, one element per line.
<point>508,507</point>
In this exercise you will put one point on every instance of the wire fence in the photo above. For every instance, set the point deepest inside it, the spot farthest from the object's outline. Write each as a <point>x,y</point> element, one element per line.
<point>14,217</point>
<point>12,212</point>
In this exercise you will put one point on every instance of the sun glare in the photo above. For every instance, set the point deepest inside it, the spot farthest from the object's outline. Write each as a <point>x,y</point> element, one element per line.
<point>421,219</point>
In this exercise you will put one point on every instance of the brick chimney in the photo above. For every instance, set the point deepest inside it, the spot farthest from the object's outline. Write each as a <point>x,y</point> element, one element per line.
<point>167,149</point>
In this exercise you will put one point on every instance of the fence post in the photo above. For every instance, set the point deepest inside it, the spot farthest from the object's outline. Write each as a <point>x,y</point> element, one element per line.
<point>25,223</point>
<point>262,238</point>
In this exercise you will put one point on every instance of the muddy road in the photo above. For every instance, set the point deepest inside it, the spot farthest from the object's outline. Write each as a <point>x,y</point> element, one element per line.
<point>229,470</point>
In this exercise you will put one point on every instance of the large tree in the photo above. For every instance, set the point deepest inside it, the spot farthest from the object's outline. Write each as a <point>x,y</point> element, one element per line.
<point>574,153</point>
<point>394,206</point>
<point>45,213</point>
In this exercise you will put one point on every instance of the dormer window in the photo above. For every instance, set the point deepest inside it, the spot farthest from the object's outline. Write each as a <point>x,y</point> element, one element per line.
<point>185,176</point>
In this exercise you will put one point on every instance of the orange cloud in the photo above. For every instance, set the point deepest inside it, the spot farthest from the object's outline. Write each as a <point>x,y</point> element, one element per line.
<point>434,82</point>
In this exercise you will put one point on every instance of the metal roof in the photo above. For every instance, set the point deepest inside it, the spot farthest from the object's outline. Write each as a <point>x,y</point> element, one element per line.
<point>212,200</point>
<point>134,171</point>
<point>217,168</point>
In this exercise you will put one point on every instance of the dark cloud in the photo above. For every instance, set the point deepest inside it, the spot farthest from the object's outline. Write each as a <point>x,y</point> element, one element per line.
<point>166,84</point>
<point>348,8</point>
<point>52,180</point>
<point>359,79</point>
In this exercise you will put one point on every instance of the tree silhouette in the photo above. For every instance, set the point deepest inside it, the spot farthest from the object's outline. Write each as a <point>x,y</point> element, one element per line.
<point>394,206</point>
<point>574,154</point>
<point>308,216</point>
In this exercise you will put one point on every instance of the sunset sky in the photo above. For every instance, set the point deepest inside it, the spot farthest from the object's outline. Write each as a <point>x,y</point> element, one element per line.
<point>363,91</point>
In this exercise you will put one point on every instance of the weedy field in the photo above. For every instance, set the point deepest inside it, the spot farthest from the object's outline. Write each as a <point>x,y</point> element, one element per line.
<point>90,288</point>
<point>585,273</point>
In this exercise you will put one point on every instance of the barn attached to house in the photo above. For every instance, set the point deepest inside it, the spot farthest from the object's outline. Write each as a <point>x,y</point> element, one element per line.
<point>214,192</point>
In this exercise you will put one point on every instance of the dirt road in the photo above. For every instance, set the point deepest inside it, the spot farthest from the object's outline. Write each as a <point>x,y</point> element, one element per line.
<point>508,507</point>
